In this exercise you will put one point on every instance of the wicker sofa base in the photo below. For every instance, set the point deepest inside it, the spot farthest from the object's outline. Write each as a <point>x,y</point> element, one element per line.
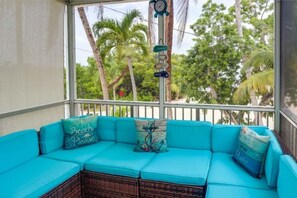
<point>71,188</point>
<point>105,185</point>
<point>162,189</point>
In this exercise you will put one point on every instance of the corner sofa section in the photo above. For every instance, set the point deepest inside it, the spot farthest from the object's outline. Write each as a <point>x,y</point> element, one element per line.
<point>286,185</point>
<point>225,174</point>
<point>24,173</point>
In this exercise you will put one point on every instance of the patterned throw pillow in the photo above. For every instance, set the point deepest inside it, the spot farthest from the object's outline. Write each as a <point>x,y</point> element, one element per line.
<point>80,131</point>
<point>251,151</point>
<point>151,136</point>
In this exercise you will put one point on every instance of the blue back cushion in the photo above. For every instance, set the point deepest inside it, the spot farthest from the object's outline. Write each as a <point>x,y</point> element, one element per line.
<point>126,130</point>
<point>51,137</point>
<point>189,134</point>
<point>225,137</point>
<point>287,179</point>
<point>17,148</point>
<point>272,159</point>
<point>106,128</point>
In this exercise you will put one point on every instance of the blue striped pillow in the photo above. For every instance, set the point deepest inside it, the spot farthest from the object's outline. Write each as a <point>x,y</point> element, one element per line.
<point>251,151</point>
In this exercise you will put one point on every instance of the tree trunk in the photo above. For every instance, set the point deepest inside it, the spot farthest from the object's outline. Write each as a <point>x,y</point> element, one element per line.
<point>237,7</point>
<point>226,113</point>
<point>248,72</point>
<point>168,36</point>
<point>118,78</point>
<point>134,90</point>
<point>151,27</point>
<point>96,53</point>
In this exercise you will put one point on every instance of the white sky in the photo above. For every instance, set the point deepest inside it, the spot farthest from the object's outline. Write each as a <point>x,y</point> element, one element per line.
<point>83,49</point>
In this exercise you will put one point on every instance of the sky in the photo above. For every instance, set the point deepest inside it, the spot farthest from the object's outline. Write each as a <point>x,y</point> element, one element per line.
<point>115,11</point>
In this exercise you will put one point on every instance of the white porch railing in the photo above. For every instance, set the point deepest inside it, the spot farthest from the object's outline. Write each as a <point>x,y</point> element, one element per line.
<point>227,114</point>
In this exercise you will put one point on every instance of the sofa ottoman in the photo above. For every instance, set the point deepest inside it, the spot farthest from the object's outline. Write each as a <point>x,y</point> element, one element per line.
<point>183,170</point>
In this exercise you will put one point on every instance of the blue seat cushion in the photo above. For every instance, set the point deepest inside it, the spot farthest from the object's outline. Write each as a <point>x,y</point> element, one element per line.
<point>120,159</point>
<point>36,177</point>
<point>223,170</point>
<point>80,155</point>
<point>287,179</point>
<point>215,191</point>
<point>181,166</point>
<point>17,148</point>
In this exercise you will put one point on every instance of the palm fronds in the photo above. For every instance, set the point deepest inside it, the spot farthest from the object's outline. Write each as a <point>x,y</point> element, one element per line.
<point>262,83</point>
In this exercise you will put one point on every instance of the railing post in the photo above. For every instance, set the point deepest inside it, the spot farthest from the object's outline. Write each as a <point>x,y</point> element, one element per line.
<point>131,111</point>
<point>197,114</point>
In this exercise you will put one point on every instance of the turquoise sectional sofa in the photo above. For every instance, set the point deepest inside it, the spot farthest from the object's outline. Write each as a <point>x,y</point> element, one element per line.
<point>198,163</point>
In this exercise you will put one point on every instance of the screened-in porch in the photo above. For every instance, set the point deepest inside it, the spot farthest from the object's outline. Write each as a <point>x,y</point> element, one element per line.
<point>40,86</point>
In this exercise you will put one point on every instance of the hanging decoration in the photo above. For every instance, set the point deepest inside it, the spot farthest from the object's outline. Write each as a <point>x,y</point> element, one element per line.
<point>160,7</point>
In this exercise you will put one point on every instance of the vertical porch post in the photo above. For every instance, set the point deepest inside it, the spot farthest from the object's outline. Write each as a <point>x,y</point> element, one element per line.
<point>71,58</point>
<point>277,73</point>
<point>161,36</point>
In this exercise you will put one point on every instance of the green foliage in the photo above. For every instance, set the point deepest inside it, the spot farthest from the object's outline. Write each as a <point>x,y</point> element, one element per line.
<point>211,66</point>
<point>177,71</point>
<point>121,38</point>
<point>121,112</point>
<point>258,56</point>
<point>124,40</point>
<point>209,73</point>
<point>87,79</point>
<point>262,83</point>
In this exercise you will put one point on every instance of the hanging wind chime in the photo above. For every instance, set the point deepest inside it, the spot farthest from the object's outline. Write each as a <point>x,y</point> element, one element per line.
<point>160,7</point>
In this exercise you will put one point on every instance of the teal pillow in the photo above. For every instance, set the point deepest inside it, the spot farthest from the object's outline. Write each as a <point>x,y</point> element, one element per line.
<point>251,151</point>
<point>80,131</point>
<point>151,136</point>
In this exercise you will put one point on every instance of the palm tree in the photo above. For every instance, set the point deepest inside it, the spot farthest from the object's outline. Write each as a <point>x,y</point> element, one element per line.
<point>124,39</point>
<point>96,53</point>
<point>261,83</point>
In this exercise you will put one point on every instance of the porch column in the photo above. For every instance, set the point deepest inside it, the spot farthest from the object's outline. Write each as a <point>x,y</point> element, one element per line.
<point>71,59</point>
<point>277,98</point>
<point>161,36</point>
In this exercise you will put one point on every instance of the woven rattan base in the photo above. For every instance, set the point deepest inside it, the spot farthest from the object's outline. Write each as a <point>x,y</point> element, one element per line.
<point>71,188</point>
<point>104,185</point>
<point>164,190</point>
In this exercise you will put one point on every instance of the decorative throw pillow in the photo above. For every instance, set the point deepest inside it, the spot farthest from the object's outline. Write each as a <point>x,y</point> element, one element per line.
<point>251,151</point>
<point>151,136</point>
<point>80,131</point>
